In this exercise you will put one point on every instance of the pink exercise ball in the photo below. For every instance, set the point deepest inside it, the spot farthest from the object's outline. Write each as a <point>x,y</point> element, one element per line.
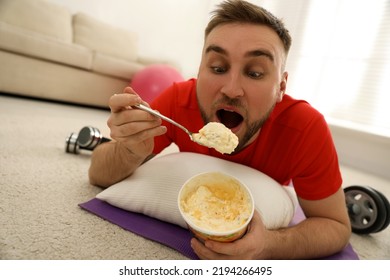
<point>154,79</point>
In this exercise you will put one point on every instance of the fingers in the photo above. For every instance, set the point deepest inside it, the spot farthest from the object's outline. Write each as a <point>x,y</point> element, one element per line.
<point>137,131</point>
<point>133,127</point>
<point>119,102</point>
<point>203,252</point>
<point>129,90</point>
<point>128,98</point>
<point>130,114</point>
<point>244,248</point>
<point>134,123</point>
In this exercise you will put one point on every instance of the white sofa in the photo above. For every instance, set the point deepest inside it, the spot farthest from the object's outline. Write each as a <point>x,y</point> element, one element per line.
<point>48,52</point>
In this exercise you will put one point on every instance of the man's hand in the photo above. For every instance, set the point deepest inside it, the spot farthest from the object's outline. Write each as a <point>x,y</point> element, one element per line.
<point>250,246</point>
<point>133,133</point>
<point>134,129</point>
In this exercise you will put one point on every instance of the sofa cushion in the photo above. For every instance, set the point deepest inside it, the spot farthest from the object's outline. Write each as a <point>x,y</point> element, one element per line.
<point>104,38</point>
<point>38,16</point>
<point>25,42</point>
<point>116,67</point>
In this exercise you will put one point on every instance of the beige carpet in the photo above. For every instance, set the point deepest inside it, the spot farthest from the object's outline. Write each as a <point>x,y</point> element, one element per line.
<point>41,187</point>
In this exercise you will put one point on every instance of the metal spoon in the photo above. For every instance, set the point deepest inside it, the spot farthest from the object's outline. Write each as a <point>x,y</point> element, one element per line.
<point>155,113</point>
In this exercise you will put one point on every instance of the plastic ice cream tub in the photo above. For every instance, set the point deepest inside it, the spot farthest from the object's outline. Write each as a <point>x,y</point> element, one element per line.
<point>216,206</point>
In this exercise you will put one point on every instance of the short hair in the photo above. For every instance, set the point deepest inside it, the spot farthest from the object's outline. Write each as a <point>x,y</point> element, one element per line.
<point>239,11</point>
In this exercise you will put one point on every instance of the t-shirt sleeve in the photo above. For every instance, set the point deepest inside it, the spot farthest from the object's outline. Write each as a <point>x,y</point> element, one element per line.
<point>316,166</point>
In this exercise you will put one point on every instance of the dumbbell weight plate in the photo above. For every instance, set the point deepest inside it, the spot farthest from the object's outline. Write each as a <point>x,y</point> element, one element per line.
<point>387,206</point>
<point>89,137</point>
<point>71,145</point>
<point>366,208</point>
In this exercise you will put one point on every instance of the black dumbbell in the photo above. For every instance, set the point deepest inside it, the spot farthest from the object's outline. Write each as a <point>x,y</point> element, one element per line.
<point>368,209</point>
<point>87,139</point>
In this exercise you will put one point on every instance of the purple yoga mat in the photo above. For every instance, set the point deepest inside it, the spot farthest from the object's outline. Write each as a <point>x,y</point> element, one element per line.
<point>168,234</point>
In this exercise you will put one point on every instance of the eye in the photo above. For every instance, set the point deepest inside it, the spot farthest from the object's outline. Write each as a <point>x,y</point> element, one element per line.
<point>255,75</point>
<point>218,69</point>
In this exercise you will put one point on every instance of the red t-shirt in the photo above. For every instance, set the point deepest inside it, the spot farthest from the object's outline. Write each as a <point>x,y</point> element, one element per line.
<point>294,144</point>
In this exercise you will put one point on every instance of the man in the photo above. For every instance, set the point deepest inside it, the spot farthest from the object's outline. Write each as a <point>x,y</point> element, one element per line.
<point>241,83</point>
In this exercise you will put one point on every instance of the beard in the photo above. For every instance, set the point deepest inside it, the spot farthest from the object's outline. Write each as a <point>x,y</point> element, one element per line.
<point>251,127</point>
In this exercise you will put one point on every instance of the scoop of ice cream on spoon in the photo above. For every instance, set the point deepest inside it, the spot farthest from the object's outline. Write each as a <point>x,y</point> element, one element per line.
<point>213,135</point>
<point>216,135</point>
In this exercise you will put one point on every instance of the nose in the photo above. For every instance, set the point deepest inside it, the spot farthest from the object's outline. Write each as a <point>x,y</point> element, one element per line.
<point>233,86</point>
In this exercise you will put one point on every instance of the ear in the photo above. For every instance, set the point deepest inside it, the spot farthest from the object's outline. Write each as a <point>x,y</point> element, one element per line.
<point>282,86</point>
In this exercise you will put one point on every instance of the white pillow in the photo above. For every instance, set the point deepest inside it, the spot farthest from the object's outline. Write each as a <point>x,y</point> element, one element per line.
<point>153,188</point>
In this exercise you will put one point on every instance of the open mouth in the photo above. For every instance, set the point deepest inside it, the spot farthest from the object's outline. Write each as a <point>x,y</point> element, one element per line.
<point>230,119</point>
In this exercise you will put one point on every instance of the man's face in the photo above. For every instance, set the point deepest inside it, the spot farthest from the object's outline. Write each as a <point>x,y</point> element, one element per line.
<point>241,78</point>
